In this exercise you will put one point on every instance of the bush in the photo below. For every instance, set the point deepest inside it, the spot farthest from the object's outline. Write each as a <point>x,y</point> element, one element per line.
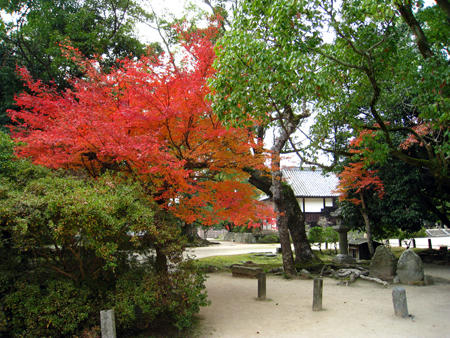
<point>143,300</point>
<point>65,245</point>
<point>268,239</point>
<point>56,308</point>
<point>316,235</point>
<point>420,234</point>
<point>330,235</point>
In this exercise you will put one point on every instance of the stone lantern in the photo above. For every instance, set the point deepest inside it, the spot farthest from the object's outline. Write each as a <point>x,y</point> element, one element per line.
<point>342,231</point>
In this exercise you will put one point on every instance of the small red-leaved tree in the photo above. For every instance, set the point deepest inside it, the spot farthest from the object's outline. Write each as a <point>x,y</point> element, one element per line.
<point>356,179</point>
<point>149,119</point>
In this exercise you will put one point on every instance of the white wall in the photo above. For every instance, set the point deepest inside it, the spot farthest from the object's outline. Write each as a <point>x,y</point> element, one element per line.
<point>314,204</point>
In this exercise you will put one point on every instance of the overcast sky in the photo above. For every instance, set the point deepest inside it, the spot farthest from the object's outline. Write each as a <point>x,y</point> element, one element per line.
<point>165,8</point>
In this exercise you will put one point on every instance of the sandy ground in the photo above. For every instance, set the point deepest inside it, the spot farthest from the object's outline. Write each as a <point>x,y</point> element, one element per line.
<point>363,309</point>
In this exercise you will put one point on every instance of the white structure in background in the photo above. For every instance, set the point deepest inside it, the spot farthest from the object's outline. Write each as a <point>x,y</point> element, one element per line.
<point>315,192</point>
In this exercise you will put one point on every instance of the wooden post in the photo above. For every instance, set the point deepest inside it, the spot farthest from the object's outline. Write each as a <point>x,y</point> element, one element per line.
<point>317,294</point>
<point>262,286</point>
<point>429,244</point>
<point>414,242</point>
<point>399,300</point>
<point>400,243</point>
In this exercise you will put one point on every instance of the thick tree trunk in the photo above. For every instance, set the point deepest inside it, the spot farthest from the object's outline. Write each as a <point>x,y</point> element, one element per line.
<point>190,231</point>
<point>289,207</point>
<point>367,224</point>
<point>282,218</point>
<point>296,225</point>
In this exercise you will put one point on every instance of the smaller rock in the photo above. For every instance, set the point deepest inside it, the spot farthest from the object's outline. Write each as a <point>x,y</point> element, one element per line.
<point>383,264</point>
<point>343,259</point>
<point>305,274</point>
<point>410,268</point>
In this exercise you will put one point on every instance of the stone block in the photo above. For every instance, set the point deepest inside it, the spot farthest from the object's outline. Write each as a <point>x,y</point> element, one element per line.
<point>108,324</point>
<point>400,303</point>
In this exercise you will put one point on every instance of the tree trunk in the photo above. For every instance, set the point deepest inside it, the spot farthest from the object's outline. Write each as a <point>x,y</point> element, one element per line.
<point>296,225</point>
<point>282,218</point>
<point>367,224</point>
<point>161,264</point>
<point>190,231</point>
<point>289,207</point>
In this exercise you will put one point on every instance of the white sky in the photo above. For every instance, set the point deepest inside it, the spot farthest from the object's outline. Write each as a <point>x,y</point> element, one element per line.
<point>164,8</point>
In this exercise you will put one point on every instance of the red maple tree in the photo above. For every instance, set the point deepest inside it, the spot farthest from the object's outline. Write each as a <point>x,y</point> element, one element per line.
<point>147,118</point>
<point>356,179</point>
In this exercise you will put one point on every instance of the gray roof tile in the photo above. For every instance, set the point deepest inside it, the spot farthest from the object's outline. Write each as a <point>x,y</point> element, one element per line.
<point>307,182</point>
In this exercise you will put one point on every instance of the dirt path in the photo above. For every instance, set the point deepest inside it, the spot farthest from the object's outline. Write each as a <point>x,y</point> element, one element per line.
<point>363,309</point>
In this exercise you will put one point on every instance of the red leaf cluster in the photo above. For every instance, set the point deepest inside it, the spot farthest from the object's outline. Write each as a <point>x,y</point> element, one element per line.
<point>148,118</point>
<point>356,177</point>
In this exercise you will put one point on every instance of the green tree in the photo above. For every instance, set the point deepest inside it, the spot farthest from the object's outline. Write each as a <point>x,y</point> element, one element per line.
<point>358,66</point>
<point>261,74</point>
<point>32,38</point>
<point>330,236</point>
<point>404,207</point>
<point>316,235</point>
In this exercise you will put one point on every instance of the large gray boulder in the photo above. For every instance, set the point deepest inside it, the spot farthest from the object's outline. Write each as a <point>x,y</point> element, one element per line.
<point>410,268</point>
<point>383,264</point>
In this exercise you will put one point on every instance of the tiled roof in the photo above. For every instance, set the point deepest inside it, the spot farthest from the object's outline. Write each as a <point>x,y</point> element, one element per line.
<point>437,232</point>
<point>311,183</point>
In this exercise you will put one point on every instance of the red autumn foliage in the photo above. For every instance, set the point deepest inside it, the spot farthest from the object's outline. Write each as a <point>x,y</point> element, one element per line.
<point>147,118</point>
<point>356,178</point>
<point>421,129</point>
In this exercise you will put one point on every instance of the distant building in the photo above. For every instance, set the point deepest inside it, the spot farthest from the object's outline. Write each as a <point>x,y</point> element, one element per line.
<point>315,193</point>
<point>359,248</point>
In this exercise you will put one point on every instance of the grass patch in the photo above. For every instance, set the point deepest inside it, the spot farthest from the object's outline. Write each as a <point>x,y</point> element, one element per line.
<point>325,256</point>
<point>397,251</point>
<point>223,263</point>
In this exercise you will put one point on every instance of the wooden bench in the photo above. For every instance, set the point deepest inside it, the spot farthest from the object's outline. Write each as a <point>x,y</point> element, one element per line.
<point>239,270</point>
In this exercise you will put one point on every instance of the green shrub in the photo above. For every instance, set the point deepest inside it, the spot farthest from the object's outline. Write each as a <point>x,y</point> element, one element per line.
<point>54,309</point>
<point>148,300</point>
<point>419,234</point>
<point>65,245</point>
<point>316,235</point>
<point>268,239</point>
<point>330,235</point>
